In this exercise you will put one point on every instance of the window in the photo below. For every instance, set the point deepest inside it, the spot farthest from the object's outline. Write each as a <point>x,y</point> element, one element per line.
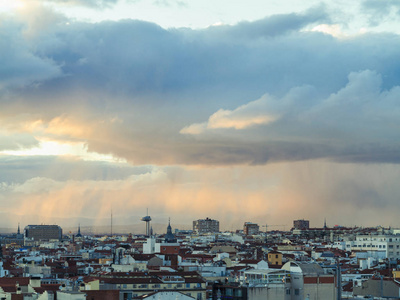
<point>188,285</point>
<point>199,296</point>
<point>296,292</point>
<point>287,292</point>
<point>276,256</point>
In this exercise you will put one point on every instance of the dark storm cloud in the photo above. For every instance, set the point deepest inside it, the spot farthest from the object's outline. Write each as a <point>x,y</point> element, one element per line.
<point>357,123</point>
<point>131,88</point>
<point>18,169</point>
<point>21,66</point>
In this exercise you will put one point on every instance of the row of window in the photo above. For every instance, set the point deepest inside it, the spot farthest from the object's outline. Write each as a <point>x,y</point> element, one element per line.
<point>379,239</point>
<point>372,246</point>
<point>199,296</point>
<point>157,286</point>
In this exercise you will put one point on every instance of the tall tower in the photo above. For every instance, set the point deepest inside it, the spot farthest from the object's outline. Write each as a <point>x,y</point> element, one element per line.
<point>147,219</point>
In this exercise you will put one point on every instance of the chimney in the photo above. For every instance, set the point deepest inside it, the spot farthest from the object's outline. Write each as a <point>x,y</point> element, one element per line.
<point>18,288</point>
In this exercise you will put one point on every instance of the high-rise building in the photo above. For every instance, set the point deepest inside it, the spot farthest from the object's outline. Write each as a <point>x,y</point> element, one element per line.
<point>301,224</point>
<point>250,228</point>
<point>206,225</point>
<point>43,232</point>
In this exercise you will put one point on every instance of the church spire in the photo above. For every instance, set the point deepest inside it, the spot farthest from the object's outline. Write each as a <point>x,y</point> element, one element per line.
<point>79,231</point>
<point>170,237</point>
<point>19,231</point>
<point>169,228</point>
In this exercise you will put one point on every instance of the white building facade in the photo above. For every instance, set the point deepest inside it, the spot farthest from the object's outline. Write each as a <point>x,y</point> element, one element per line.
<point>377,246</point>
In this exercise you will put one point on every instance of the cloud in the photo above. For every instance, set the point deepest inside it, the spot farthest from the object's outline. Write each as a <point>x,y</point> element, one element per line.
<point>380,11</point>
<point>249,115</point>
<point>169,3</point>
<point>130,88</point>
<point>18,169</point>
<point>278,193</point>
<point>20,65</point>
<point>357,123</point>
<point>16,141</point>
<point>275,25</point>
<point>88,3</point>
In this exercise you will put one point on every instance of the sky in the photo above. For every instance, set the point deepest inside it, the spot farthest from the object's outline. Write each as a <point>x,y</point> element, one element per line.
<point>256,111</point>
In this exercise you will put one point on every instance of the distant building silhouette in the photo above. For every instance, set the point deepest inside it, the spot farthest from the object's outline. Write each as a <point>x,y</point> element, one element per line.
<point>250,228</point>
<point>169,237</point>
<point>79,235</point>
<point>301,224</point>
<point>206,225</point>
<point>43,232</point>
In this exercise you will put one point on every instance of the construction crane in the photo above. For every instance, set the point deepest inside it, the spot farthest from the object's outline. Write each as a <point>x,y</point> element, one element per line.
<point>266,226</point>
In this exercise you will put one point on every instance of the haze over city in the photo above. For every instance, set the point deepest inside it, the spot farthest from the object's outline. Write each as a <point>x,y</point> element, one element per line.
<point>262,111</point>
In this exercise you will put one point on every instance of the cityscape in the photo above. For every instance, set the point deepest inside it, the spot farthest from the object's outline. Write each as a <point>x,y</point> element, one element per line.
<point>253,262</point>
<point>199,149</point>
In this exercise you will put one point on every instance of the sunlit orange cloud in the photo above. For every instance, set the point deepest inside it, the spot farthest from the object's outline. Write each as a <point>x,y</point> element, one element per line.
<point>225,119</point>
<point>274,194</point>
<point>70,127</point>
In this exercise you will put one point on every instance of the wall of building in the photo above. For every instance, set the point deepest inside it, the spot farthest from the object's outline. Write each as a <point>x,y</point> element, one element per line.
<point>43,232</point>
<point>272,293</point>
<point>167,248</point>
<point>206,225</point>
<point>319,288</point>
<point>70,295</point>
<point>275,258</point>
<point>377,288</point>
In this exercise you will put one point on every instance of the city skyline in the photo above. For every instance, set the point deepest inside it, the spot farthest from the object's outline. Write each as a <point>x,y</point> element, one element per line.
<point>160,228</point>
<point>264,112</point>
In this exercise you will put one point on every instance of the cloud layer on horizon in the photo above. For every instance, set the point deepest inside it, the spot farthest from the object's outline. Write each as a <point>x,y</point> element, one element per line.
<point>273,194</point>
